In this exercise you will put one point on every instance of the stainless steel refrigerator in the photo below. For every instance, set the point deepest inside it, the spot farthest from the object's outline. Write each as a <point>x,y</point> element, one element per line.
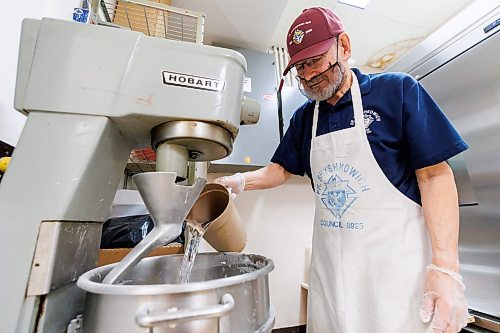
<point>463,76</point>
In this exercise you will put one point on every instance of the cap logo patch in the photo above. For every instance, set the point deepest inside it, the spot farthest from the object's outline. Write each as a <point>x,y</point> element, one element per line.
<point>298,36</point>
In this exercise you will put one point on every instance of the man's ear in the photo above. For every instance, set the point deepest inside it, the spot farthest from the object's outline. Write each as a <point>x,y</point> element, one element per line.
<point>345,46</point>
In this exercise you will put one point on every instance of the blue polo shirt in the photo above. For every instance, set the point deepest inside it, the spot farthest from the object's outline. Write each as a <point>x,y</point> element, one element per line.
<point>405,127</point>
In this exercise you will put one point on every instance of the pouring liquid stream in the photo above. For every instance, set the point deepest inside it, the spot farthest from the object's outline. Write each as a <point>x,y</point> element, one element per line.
<point>195,231</point>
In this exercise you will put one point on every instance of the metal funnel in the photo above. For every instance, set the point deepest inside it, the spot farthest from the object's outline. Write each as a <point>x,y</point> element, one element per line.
<point>166,201</point>
<point>168,204</point>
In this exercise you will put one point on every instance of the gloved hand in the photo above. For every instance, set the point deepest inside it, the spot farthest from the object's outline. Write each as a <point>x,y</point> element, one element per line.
<point>444,300</point>
<point>235,183</point>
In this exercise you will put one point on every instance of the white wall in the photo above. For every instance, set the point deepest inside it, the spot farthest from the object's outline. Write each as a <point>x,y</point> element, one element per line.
<point>11,16</point>
<point>279,226</point>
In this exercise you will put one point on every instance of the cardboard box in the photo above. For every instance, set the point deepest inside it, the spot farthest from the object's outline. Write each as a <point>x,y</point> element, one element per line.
<point>109,256</point>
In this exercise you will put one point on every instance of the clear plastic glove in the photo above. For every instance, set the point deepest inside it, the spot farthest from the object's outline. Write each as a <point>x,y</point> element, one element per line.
<point>444,300</point>
<point>235,183</point>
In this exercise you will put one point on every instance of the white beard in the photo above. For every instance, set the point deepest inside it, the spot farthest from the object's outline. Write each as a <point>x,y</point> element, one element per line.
<point>329,91</point>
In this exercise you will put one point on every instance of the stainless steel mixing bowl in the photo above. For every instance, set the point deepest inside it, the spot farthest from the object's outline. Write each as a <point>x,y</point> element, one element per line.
<point>227,292</point>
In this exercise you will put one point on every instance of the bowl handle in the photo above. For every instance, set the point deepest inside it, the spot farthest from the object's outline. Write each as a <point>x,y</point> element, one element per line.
<point>145,318</point>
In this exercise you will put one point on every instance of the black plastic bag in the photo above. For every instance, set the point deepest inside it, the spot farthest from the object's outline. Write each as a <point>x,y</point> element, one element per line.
<point>128,231</point>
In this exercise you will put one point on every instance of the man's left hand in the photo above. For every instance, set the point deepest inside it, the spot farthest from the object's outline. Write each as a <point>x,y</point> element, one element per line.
<point>444,300</point>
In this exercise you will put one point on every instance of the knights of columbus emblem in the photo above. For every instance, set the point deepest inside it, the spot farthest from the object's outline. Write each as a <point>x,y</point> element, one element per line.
<point>298,35</point>
<point>338,196</point>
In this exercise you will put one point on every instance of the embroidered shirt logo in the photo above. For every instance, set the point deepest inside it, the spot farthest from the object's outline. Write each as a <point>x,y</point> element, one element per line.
<point>370,116</point>
<point>338,196</point>
<point>298,36</point>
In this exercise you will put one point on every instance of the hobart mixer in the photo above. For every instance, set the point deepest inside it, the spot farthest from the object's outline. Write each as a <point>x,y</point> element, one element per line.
<point>92,94</point>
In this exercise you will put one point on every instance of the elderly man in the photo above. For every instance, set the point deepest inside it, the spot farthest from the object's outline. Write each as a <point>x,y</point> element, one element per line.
<point>385,242</point>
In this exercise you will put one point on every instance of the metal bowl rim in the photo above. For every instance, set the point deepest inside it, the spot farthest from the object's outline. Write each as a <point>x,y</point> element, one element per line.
<point>86,284</point>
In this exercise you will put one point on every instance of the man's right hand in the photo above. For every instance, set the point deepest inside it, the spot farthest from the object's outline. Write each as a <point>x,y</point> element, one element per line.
<point>235,183</point>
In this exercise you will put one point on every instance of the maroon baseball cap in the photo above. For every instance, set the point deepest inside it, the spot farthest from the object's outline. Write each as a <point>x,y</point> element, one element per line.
<point>312,34</point>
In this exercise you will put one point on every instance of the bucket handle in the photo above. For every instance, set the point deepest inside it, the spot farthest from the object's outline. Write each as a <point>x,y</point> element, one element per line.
<point>145,318</point>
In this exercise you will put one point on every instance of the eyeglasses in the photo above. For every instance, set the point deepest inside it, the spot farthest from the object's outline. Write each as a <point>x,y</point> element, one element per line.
<point>301,80</point>
<point>313,63</point>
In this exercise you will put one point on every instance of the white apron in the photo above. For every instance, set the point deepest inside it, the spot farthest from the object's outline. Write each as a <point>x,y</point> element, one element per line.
<point>370,242</point>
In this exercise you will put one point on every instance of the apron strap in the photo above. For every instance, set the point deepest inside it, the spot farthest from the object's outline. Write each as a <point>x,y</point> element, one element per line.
<point>357,104</point>
<point>315,119</point>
